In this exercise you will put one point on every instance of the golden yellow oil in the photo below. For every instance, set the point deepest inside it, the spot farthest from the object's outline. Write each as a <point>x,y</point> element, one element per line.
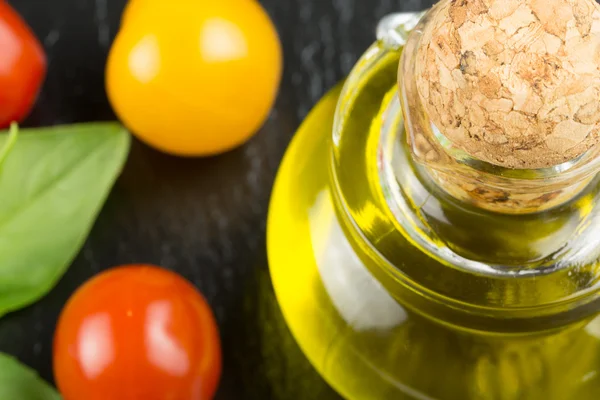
<point>362,340</point>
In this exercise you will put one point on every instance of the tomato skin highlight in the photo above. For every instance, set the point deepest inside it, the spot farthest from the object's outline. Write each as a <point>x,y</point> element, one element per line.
<point>194,80</point>
<point>137,332</point>
<point>22,66</point>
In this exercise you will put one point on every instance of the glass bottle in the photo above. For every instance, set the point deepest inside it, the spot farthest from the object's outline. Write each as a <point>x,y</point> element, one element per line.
<point>407,269</point>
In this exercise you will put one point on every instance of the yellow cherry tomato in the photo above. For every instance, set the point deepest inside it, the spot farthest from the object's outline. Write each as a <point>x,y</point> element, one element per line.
<point>194,77</point>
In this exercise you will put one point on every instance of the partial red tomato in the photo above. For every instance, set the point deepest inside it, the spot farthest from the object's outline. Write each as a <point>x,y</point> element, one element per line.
<point>195,79</point>
<point>137,333</point>
<point>22,66</point>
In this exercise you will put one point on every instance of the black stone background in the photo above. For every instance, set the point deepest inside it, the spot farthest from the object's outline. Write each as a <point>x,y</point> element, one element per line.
<point>180,213</point>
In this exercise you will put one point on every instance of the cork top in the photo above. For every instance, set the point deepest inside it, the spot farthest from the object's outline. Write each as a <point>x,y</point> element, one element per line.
<point>515,83</point>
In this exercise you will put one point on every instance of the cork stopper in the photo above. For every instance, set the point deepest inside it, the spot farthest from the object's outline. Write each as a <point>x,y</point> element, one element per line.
<point>515,83</point>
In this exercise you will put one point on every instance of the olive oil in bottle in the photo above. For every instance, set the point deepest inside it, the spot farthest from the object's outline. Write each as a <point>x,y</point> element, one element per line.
<point>408,269</point>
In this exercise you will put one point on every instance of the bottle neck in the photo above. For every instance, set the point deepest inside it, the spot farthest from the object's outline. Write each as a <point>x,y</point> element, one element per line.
<point>509,218</point>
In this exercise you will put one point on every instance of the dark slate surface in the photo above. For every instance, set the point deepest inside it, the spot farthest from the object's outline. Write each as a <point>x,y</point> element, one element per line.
<point>178,213</point>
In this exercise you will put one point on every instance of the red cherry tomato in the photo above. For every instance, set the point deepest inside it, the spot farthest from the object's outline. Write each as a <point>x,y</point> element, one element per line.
<point>22,66</point>
<point>137,333</point>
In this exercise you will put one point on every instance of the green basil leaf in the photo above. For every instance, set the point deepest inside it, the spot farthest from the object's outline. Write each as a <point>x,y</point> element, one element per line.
<point>20,382</point>
<point>53,183</point>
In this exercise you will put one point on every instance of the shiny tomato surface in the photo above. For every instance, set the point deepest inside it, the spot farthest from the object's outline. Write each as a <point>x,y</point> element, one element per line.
<point>22,66</point>
<point>137,333</point>
<point>196,78</point>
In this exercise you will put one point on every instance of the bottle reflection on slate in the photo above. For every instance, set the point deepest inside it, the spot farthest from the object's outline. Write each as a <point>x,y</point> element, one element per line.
<point>267,359</point>
<point>408,268</point>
